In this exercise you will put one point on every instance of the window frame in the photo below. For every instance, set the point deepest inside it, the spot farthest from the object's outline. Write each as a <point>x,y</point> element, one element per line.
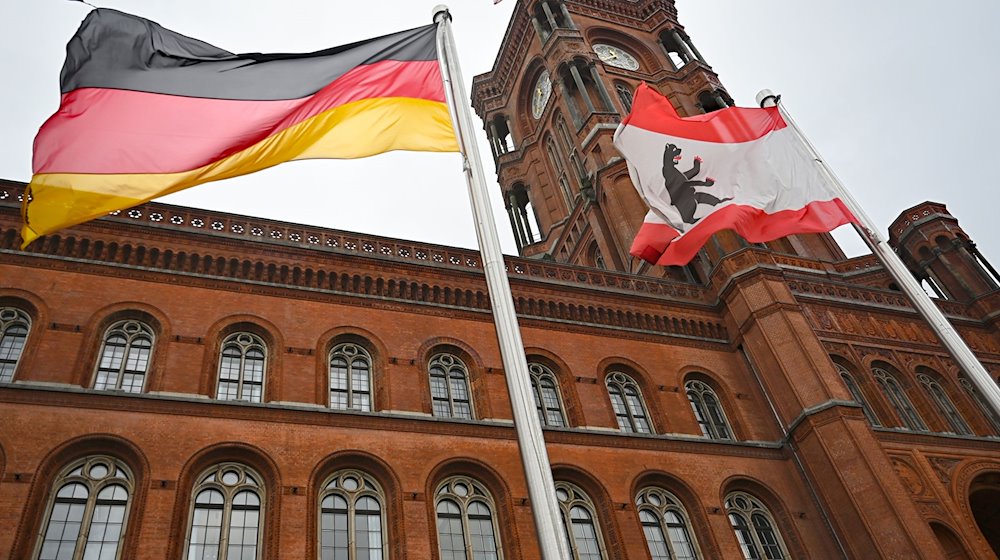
<point>623,381</point>
<point>907,414</point>
<point>696,391</point>
<point>11,317</point>
<point>142,330</point>
<point>538,373</point>
<point>228,491</point>
<point>477,492</point>
<point>945,405</point>
<point>858,395</point>
<point>341,349</point>
<point>94,485</point>
<point>352,496</point>
<point>577,497</point>
<point>448,362</point>
<point>668,503</point>
<point>755,507</point>
<point>255,342</point>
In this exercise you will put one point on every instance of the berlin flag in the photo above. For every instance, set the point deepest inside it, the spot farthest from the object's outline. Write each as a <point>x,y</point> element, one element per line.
<point>737,168</point>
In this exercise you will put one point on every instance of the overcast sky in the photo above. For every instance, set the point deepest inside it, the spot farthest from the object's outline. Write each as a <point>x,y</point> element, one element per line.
<point>898,96</point>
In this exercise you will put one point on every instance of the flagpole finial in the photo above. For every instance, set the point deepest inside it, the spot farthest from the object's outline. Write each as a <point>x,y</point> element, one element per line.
<point>767,98</point>
<point>440,11</point>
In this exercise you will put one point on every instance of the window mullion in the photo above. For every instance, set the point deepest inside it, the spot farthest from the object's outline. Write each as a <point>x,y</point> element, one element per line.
<point>350,389</point>
<point>352,552</point>
<point>239,376</point>
<point>227,514</point>
<point>88,514</point>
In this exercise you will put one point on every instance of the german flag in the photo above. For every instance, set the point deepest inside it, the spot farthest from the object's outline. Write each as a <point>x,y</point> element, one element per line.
<point>146,112</point>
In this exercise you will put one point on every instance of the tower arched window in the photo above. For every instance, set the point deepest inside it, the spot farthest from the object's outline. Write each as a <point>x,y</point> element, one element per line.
<point>857,395</point>
<point>580,521</point>
<point>545,389</point>
<point>986,409</point>
<point>351,518</point>
<point>125,356</point>
<point>666,526</point>
<point>713,100</point>
<point>556,158</point>
<point>350,378</point>
<point>944,405</point>
<point>450,393</point>
<point>708,411</point>
<point>754,528</point>
<point>466,526</point>
<point>626,400</point>
<point>14,327</point>
<point>679,48</point>
<point>225,515</point>
<point>625,96</point>
<point>241,368</point>
<point>87,512</point>
<point>900,402</point>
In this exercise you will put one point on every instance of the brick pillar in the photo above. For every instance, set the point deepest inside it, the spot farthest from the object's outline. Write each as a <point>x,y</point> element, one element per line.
<point>865,500</point>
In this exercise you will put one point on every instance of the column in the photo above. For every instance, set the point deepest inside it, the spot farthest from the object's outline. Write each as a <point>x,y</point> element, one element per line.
<point>513,226</point>
<point>519,227</point>
<point>549,16</point>
<point>720,99</point>
<point>574,113</point>
<point>565,13</point>
<point>690,44</point>
<point>578,79</point>
<point>682,47</point>
<point>527,224</point>
<point>495,139</point>
<point>510,132</point>
<point>542,34</point>
<point>601,90</point>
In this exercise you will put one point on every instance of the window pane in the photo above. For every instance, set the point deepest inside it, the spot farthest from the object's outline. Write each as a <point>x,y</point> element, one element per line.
<point>744,537</point>
<point>11,345</point>
<point>451,538</point>
<point>767,537</point>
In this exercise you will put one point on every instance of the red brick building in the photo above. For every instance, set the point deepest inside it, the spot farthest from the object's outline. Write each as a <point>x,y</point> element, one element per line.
<point>178,383</point>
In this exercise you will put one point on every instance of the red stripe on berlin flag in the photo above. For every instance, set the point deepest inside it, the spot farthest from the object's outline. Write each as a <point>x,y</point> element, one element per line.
<point>653,112</point>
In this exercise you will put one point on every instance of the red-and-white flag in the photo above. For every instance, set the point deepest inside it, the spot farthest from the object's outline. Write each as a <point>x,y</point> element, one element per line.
<point>737,168</point>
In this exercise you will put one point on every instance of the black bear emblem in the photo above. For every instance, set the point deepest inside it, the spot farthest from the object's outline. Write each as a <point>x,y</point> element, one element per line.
<point>680,186</point>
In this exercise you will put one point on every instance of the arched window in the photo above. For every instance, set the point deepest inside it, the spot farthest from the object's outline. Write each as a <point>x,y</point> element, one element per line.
<point>545,389</point>
<point>350,377</point>
<point>626,400</point>
<point>87,512</point>
<point>241,368</point>
<point>857,395</point>
<point>987,410</point>
<point>944,405</point>
<point>708,411</point>
<point>14,327</point>
<point>625,96</point>
<point>580,522</point>
<point>450,387</point>
<point>666,526</point>
<point>755,528</point>
<point>352,526</point>
<point>897,398</point>
<point>225,515</point>
<point>124,357</point>
<point>465,523</point>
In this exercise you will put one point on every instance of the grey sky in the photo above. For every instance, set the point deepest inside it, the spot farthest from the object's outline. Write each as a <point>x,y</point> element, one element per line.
<point>896,95</point>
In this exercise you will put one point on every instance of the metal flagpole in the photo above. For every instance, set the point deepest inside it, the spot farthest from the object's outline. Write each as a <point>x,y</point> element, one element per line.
<point>537,471</point>
<point>944,330</point>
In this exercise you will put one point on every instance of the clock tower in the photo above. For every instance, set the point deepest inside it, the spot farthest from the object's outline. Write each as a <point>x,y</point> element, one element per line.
<point>564,77</point>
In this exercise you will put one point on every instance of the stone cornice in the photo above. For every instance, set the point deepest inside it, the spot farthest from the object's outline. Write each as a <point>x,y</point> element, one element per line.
<point>380,421</point>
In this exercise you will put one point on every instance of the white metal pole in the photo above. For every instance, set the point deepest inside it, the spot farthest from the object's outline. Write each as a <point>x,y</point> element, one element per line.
<point>538,473</point>
<point>944,330</point>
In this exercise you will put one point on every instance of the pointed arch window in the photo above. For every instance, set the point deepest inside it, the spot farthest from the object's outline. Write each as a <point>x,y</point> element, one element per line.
<point>352,523</point>
<point>580,521</point>
<point>707,410</point>
<point>450,393</point>
<point>545,389</point>
<point>666,526</point>
<point>124,358</point>
<point>857,395</point>
<point>943,402</point>
<point>241,368</point>
<point>754,528</point>
<point>14,327</point>
<point>87,512</point>
<point>225,515</point>
<point>350,378</point>
<point>986,409</point>
<point>900,402</point>
<point>625,96</point>
<point>466,525</point>
<point>626,400</point>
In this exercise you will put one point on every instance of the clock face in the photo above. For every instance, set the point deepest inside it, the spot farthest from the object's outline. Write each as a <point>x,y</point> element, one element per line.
<point>540,96</point>
<point>616,56</point>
